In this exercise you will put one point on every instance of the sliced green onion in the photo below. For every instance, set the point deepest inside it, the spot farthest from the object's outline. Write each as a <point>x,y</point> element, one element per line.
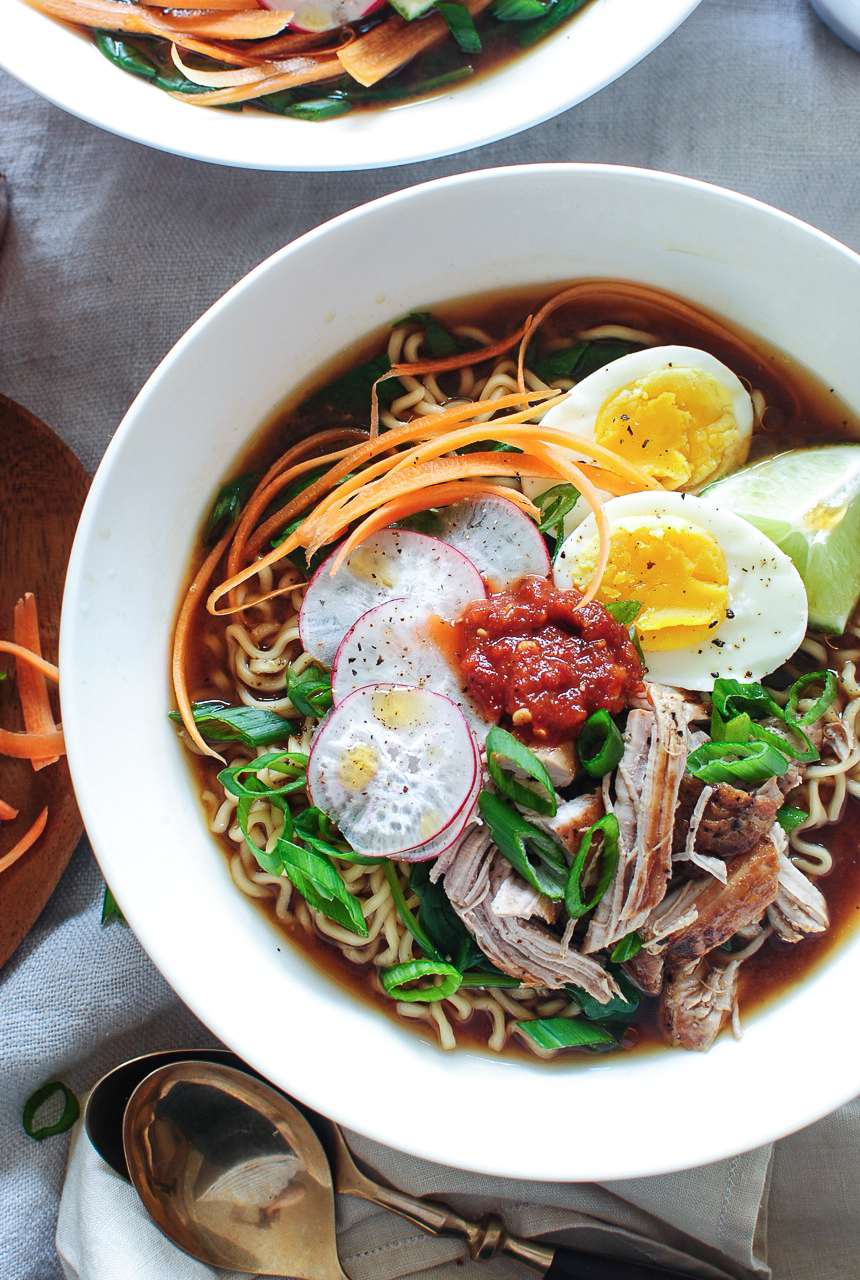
<point>624,611</point>
<point>789,817</point>
<point>310,692</point>
<point>460,23</point>
<point>398,981</point>
<point>312,109</point>
<point>735,730</point>
<point>228,504</point>
<point>253,726</point>
<point>318,882</point>
<point>71,1111</point>
<point>734,762</point>
<point>406,915</point>
<point>565,1033</point>
<point>502,745</point>
<point>600,745</point>
<point>314,828</point>
<point>492,978</point>
<point>628,947</point>
<point>539,859</point>
<point>730,697</point>
<point>554,505</point>
<point>821,704</point>
<point>111,913</point>
<point>291,764</point>
<point>576,905</point>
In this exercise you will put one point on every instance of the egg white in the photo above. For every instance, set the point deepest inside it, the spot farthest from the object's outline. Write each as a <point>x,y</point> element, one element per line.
<point>578,412</point>
<point>766,595</point>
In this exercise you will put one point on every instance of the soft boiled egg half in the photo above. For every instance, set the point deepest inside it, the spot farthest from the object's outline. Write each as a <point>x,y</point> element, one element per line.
<point>718,598</point>
<point>677,412</point>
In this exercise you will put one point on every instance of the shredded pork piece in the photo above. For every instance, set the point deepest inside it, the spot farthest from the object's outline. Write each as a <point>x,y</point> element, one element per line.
<point>696,1001</point>
<point>799,908</point>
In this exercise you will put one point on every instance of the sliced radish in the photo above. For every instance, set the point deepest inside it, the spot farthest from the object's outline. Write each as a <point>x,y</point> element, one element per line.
<point>394,767</point>
<point>390,565</point>
<point>323,15</point>
<point>499,538</point>
<point>403,642</point>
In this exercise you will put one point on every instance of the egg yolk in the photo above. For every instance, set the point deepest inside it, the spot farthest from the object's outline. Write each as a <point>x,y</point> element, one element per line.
<point>677,424</point>
<point>677,572</point>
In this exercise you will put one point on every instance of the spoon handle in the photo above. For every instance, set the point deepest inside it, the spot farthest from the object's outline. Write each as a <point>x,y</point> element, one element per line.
<point>569,1264</point>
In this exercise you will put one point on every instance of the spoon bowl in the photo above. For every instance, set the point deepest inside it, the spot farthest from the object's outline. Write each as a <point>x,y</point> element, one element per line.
<point>231,1172</point>
<point>44,487</point>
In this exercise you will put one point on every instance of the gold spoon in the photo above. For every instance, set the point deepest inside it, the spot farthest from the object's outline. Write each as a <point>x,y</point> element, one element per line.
<point>235,1175</point>
<point>43,491</point>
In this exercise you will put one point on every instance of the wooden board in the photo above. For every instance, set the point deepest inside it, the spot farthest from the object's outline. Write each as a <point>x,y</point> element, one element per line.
<point>42,491</point>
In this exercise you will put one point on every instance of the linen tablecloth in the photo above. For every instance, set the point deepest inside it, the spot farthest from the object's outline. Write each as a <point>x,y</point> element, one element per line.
<point>111,251</point>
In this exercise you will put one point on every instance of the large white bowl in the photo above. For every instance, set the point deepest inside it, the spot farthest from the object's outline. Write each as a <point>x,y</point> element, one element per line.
<point>601,43</point>
<point>602,1118</point>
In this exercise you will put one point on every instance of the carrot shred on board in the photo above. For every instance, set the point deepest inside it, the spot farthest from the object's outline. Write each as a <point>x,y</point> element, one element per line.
<point>48,669</point>
<point>7,812</point>
<point>31,746</point>
<point>26,842</point>
<point>32,684</point>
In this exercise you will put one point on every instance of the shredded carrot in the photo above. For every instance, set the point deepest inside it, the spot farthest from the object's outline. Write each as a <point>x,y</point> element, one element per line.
<point>116,15</point>
<point>305,69</point>
<point>576,475</point>
<point>32,684</point>
<point>18,651</point>
<point>385,48</point>
<point>31,746</point>
<point>7,813</point>
<point>180,640</point>
<point>26,842</point>
<point>444,495</point>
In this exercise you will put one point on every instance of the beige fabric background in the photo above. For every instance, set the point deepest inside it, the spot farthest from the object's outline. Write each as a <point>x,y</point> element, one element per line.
<point>112,250</point>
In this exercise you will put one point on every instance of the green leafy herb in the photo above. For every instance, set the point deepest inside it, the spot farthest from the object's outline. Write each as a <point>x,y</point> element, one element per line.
<point>71,1111</point>
<point>532,32</point>
<point>111,913</point>
<point>583,358</point>
<point>398,981</point>
<point>352,392</point>
<point>460,23</point>
<point>600,745</point>
<point>313,828</point>
<point>252,726</point>
<point>624,611</point>
<point>447,936</point>
<point>503,746</point>
<point>520,11</point>
<point>309,691</point>
<point>228,504</point>
<point>788,817</point>
<point>566,1033</point>
<point>312,109</point>
<point>576,904</point>
<point>440,340</point>
<point>619,1009</point>
<point>628,947</point>
<point>537,856</point>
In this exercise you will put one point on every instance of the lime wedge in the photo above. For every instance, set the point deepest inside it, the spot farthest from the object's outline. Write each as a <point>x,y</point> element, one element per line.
<point>807,501</point>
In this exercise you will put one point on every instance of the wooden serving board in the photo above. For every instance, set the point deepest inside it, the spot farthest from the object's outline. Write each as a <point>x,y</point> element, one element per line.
<point>42,491</point>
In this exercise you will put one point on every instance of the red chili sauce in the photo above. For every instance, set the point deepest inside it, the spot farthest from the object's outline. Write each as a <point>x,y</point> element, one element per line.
<point>535,656</point>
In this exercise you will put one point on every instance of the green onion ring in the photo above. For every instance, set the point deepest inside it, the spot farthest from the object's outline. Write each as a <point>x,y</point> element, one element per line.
<point>817,710</point>
<point>396,979</point>
<point>733,762</point>
<point>600,745</point>
<point>576,906</point>
<point>71,1111</point>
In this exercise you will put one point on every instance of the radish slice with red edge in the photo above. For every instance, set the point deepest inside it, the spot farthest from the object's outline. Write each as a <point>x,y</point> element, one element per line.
<point>323,15</point>
<point>404,642</point>
<point>394,767</point>
<point>502,542</point>
<point>391,564</point>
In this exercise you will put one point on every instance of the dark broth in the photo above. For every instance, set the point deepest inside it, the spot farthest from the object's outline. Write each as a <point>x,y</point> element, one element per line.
<point>801,411</point>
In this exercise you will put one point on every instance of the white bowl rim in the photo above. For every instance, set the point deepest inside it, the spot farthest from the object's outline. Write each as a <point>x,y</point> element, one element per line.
<point>66,69</point>
<point>759,1124</point>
